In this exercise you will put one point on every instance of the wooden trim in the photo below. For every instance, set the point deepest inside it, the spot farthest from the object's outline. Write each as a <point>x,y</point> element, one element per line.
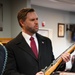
<point>5,40</point>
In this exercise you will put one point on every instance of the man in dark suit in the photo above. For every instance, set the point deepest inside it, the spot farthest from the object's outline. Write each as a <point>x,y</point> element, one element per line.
<point>21,59</point>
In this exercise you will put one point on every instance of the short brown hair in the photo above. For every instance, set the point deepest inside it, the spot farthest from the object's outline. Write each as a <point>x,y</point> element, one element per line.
<point>22,14</point>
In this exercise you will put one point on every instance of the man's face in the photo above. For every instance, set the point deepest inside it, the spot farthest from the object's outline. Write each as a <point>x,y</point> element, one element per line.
<point>30,25</point>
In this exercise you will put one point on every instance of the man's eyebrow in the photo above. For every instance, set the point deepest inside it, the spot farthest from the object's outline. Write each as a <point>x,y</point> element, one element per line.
<point>34,19</point>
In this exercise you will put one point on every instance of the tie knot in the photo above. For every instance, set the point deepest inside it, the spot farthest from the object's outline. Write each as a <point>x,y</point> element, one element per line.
<point>31,38</point>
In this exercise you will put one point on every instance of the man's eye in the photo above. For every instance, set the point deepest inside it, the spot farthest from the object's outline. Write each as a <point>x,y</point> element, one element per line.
<point>32,19</point>
<point>36,18</point>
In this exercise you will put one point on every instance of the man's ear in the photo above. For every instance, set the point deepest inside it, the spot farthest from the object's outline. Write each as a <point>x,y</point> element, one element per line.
<point>21,22</point>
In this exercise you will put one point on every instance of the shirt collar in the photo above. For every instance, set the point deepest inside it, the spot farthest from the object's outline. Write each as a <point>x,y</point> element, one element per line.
<point>26,36</point>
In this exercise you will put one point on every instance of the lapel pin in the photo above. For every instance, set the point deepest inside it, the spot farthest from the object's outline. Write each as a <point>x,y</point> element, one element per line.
<point>42,42</point>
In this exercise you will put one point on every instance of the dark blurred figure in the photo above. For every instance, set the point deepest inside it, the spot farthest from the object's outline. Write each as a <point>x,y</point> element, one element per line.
<point>73,64</point>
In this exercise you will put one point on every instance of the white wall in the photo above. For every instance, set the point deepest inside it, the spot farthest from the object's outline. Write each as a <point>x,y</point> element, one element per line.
<point>16,6</point>
<point>6,19</point>
<point>10,9</point>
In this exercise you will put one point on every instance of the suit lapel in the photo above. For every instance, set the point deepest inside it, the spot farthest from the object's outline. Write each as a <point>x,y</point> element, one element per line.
<point>20,42</point>
<point>23,45</point>
<point>41,44</point>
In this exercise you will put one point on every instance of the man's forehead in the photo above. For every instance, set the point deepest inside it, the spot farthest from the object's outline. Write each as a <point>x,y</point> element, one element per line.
<point>32,14</point>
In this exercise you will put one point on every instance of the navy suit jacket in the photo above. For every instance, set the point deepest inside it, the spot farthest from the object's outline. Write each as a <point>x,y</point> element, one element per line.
<point>22,61</point>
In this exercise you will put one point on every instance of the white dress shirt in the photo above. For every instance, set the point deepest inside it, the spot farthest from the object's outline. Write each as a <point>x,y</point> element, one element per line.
<point>27,38</point>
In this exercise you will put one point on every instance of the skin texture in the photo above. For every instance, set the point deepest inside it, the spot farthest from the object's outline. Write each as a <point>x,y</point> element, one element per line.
<point>30,25</point>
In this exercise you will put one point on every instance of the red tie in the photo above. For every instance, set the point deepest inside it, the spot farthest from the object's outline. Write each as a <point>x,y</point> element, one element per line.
<point>33,46</point>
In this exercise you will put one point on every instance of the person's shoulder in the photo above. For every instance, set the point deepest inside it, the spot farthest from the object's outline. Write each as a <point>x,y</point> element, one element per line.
<point>10,42</point>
